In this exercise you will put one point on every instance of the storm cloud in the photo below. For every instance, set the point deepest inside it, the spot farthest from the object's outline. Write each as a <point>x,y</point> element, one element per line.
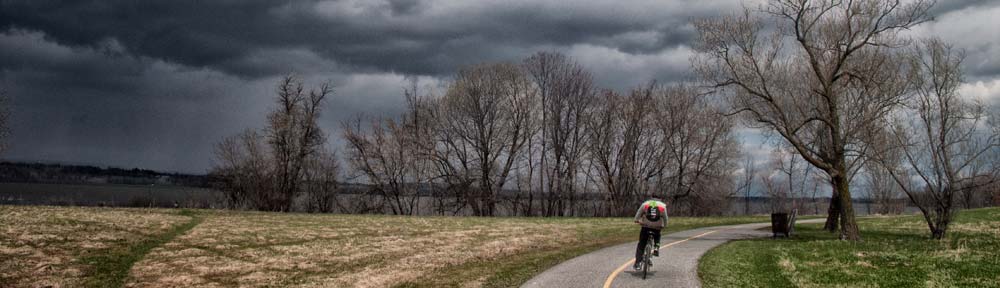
<point>154,84</point>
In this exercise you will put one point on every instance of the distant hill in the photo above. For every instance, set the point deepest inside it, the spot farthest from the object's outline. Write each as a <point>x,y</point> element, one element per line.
<point>26,172</point>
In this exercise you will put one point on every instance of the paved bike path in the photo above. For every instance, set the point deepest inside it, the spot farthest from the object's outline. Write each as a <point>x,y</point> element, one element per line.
<point>677,265</point>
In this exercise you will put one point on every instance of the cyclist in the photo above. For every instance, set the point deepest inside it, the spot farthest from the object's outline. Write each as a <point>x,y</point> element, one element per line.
<point>652,215</point>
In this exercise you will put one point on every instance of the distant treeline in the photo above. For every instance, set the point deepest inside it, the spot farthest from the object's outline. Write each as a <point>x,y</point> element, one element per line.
<point>21,172</point>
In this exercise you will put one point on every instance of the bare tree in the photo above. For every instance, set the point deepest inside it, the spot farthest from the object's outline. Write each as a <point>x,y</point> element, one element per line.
<point>799,177</point>
<point>819,79</point>
<point>881,189</point>
<point>777,192</point>
<point>382,156</point>
<point>293,136</point>
<point>392,156</point>
<point>321,177</point>
<point>941,136</point>
<point>699,149</point>
<point>816,178</point>
<point>625,150</point>
<point>484,124</point>
<point>243,169</point>
<point>264,171</point>
<point>664,141</point>
<point>566,93</point>
<point>786,185</point>
<point>749,170</point>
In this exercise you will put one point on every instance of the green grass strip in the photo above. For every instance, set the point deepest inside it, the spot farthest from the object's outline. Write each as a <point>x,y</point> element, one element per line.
<point>111,268</point>
<point>896,252</point>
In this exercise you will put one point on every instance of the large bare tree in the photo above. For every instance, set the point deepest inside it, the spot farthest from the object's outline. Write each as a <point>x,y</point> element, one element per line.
<point>941,137</point>
<point>383,156</point>
<point>391,154</point>
<point>265,170</point>
<point>483,124</point>
<point>699,149</point>
<point>817,73</point>
<point>624,149</point>
<point>294,135</point>
<point>566,95</point>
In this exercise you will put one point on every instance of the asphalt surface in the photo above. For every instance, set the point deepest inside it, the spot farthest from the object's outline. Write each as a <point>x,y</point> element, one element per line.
<point>677,265</point>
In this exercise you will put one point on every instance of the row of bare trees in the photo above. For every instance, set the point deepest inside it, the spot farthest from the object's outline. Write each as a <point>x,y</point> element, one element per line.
<point>538,138</point>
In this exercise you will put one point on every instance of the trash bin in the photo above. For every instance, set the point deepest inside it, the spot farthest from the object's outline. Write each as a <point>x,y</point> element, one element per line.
<point>779,224</point>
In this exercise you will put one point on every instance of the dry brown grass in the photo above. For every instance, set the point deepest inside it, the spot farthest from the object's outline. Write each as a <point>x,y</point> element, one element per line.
<point>41,246</point>
<point>46,246</point>
<point>258,249</point>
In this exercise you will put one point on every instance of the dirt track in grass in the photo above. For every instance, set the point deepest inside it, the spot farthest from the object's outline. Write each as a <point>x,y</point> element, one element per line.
<point>44,246</point>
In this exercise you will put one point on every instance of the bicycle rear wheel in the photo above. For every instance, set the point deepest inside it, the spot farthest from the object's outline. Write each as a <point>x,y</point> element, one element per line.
<point>648,252</point>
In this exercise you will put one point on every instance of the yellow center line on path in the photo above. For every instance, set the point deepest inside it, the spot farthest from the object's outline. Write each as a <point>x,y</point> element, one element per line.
<point>611,278</point>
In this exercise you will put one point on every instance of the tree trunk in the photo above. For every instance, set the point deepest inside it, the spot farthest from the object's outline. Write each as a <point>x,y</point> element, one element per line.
<point>848,225</point>
<point>833,213</point>
<point>938,233</point>
<point>940,228</point>
<point>746,205</point>
<point>531,201</point>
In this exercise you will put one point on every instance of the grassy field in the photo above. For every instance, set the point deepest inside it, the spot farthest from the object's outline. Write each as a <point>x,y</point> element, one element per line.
<point>896,252</point>
<point>71,247</point>
<point>109,247</point>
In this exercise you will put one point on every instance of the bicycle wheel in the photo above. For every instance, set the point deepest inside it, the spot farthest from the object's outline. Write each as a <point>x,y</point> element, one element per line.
<point>645,257</point>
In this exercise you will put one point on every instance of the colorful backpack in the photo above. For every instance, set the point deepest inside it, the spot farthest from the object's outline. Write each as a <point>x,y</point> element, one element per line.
<point>653,212</point>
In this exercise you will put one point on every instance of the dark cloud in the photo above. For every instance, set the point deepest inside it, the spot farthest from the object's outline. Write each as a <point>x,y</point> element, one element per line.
<point>409,36</point>
<point>155,83</point>
<point>972,29</point>
<point>86,105</point>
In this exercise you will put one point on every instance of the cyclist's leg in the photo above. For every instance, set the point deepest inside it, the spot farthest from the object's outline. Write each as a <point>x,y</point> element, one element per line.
<point>656,237</point>
<point>656,241</point>
<point>642,244</point>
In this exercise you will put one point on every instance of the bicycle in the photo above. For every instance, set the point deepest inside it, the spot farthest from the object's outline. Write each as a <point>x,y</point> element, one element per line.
<point>647,255</point>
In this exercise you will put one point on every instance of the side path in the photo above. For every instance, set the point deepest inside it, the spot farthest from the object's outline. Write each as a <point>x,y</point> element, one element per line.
<point>677,265</point>
<point>111,268</point>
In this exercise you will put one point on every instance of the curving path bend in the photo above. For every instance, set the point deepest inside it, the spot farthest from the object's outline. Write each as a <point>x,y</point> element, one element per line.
<point>677,265</point>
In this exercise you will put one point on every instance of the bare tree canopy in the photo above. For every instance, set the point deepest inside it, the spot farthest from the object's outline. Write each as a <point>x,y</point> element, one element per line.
<point>817,73</point>
<point>624,149</point>
<point>668,142</point>
<point>566,95</point>
<point>939,145</point>
<point>483,125</point>
<point>392,155</point>
<point>265,170</point>
<point>700,148</point>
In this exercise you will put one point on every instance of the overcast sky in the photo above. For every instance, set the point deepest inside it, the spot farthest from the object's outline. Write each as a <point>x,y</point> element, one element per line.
<point>154,84</point>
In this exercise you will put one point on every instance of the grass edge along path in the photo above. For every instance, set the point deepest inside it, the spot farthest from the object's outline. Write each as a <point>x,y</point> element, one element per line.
<point>515,270</point>
<point>110,267</point>
<point>896,252</point>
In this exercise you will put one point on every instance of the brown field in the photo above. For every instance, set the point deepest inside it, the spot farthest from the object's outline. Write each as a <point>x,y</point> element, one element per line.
<point>42,246</point>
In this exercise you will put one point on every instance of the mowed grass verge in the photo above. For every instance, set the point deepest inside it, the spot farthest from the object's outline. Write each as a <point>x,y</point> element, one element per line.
<point>896,252</point>
<point>108,247</point>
